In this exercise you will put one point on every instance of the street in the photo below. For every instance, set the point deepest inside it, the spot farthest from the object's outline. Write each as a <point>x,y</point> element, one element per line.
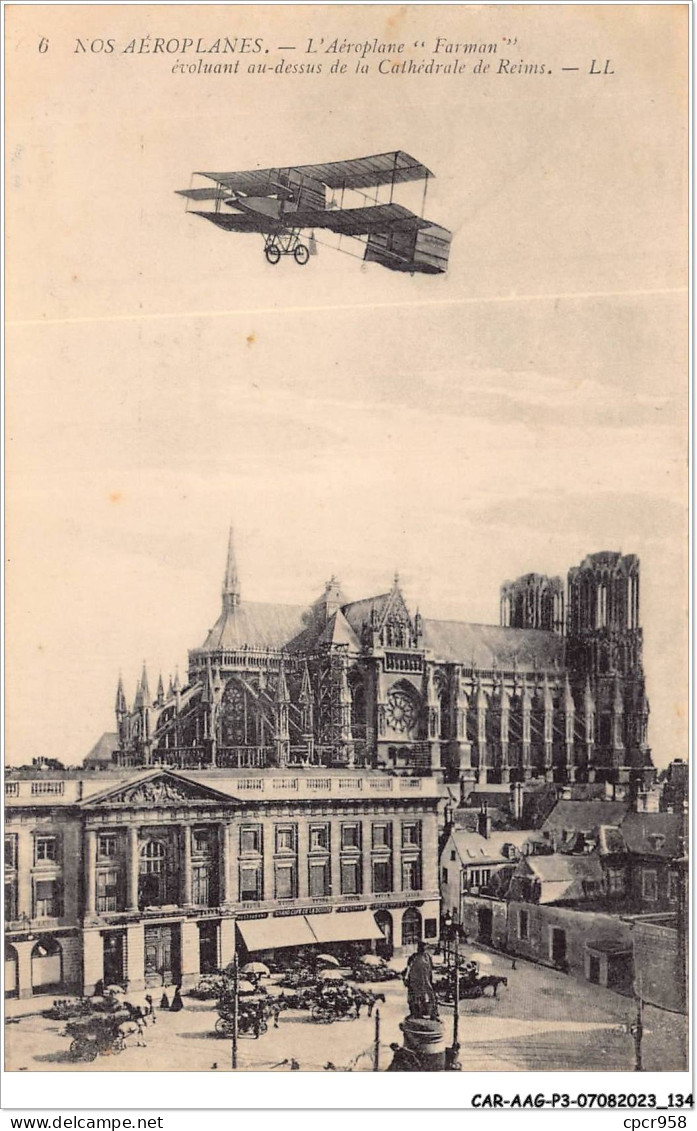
<point>542,1020</point>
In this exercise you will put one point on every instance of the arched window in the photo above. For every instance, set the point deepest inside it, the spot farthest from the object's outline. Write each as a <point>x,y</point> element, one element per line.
<point>46,965</point>
<point>153,856</point>
<point>411,927</point>
<point>11,971</point>
<point>153,882</point>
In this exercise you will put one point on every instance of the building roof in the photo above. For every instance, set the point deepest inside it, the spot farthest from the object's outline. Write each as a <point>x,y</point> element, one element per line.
<point>473,848</point>
<point>255,624</point>
<point>489,795</point>
<point>485,645</point>
<point>653,834</point>
<point>339,631</point>
<point>358,613</point>
<point>103,749</point>
<point>585,816</point>
<point>562,877</point>
<point>468,819</point>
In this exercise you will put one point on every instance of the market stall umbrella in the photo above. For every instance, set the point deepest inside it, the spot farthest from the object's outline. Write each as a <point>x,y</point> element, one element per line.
<point>246,987</point>
<point>331,976</point>
<point>328,959</point>
<point>371,960</point>
<point>256,968</point>
<point>482,959</point>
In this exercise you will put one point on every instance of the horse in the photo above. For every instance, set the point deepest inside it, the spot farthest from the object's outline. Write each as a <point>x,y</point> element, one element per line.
<point>366,997</point>
<point>135,1028</point>
<point>493,980</point>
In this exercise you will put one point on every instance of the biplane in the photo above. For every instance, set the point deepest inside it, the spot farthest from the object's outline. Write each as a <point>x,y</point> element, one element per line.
<point>341,197</point>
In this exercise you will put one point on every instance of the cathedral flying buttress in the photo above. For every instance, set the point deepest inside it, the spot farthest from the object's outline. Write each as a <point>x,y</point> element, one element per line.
<point>556,691</point>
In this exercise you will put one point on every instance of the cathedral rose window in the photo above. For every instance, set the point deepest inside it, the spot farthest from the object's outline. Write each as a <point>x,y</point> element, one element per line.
<point>402,713</point>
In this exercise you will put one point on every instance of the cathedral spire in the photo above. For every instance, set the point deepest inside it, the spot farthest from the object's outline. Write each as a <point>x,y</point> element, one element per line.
<point>144,688</point>
<point>306,686</point>
<point>282,695</point>
<point>121,706</point>
<point>231,583</point>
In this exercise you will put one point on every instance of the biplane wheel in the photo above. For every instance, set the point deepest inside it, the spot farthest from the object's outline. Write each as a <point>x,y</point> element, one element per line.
<point>301,254</point>
<point>272,252</point>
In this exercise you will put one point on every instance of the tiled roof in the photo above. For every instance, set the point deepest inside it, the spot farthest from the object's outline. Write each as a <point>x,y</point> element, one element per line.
<point>358,613</point>
<point>103,748</point>
<point>562,877</point>
<point>484,644</point>
<point>255,625</point>
<point>473,848</point>
<point>653,834</point>
<point>468,819</point>
<point>584,816</point>
<point>339,631</point>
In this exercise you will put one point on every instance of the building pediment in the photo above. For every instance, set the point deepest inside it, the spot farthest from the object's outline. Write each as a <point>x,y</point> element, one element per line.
<point>159,790</point>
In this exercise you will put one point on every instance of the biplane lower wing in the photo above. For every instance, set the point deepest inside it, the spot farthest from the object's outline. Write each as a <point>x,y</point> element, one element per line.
<point>360,221</point>
<point>345,221</point>
<point>241,222</point>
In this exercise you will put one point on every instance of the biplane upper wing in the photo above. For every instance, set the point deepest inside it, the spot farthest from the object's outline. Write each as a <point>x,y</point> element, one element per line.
<point>358,173</point>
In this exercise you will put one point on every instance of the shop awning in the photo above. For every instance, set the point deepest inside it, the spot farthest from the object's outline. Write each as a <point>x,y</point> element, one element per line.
<point>353,926</point>
<point>266,934</point>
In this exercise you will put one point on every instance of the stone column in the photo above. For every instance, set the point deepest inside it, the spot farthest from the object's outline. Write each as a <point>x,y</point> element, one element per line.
<point>481,735</point>
<point>396,855</point>
<point>505,706</point>
<point>132,869</point>
<point>135,957</point>
<point>92,960</point>
<point>190,953</point>
<point>227,941</point>
<point>303,859</point>
<point>335,857</point>
<point>187,872</point>
<point>24,949</point>
<point>526,714</point>
<point>90,872</point>
<point>366,851</point>
<point>25,861</point>
<point>224,887</point>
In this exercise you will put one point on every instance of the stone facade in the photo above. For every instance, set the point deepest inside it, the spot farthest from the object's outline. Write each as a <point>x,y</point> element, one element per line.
<point>556,691</point>
<point>148,878</point>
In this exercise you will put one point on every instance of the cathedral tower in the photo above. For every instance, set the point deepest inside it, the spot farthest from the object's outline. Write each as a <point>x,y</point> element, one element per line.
<point>604,656</point>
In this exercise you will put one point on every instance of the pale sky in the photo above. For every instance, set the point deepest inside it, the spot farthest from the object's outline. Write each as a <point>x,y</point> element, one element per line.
<point>523,410</point>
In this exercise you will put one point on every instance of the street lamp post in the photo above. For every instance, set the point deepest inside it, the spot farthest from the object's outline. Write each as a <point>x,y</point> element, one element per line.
<point>447,926</point>
<point>235,1008</point>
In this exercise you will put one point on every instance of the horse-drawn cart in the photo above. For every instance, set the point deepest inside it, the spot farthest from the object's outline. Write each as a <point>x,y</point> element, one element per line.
<point>472,984</point>
<point>96,1035</point>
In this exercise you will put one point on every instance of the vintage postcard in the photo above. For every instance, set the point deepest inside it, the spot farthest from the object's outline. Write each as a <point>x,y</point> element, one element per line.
<point>346,527</point>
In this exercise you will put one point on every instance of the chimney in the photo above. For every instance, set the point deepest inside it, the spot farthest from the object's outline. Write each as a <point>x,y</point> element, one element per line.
<point>484,823</point>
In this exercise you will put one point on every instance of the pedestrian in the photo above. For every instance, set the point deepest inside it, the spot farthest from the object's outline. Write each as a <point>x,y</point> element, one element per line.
<point>177,1002</point>
<point>151,1008</point>
<point>164,1002</point>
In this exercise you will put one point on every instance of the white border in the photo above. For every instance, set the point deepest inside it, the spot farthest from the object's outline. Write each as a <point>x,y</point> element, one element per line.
<point>96,1093</point>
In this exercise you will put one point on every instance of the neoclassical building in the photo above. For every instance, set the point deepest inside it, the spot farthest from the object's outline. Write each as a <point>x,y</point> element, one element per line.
<point>145,878</point>
<point>556,690</point>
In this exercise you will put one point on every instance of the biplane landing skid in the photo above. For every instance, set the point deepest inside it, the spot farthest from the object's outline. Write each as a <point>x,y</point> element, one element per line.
<point>285,243</point>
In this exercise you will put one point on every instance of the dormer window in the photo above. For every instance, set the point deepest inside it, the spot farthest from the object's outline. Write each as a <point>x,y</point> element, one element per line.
<point>656,840</point>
